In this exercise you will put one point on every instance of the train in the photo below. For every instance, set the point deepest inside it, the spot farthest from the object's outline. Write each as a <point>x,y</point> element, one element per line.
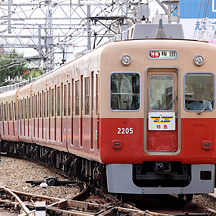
<point>135,115</point>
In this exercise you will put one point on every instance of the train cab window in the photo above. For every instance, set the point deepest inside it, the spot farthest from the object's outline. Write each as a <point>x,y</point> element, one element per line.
<point>125,91</point>
<point>199,91</point>
<point>161,92</point>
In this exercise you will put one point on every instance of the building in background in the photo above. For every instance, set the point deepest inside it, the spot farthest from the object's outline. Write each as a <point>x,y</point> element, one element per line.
<point>198,18</point>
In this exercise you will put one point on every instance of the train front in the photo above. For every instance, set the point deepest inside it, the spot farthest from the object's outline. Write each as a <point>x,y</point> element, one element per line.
<point>157,119</point>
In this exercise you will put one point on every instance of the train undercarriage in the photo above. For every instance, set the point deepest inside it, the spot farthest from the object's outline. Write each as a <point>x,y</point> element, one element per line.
<point>76,167</point>
<point>147,178</point>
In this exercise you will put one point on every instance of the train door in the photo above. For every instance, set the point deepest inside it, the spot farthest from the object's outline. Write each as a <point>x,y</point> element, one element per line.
<point>161,135</point>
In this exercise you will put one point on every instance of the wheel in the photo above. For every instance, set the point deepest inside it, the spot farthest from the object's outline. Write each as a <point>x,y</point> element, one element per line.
<point>189,197</point>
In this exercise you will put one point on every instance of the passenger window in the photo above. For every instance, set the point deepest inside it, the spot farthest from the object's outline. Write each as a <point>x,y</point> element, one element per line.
<point>199,91</point>
<point>161,92</point>
<point>77,97</point>
<point>58,101</point>
<point>52,103</point>
<point>125,91</point>
<point>15,114</point>
<point>10,112</point>
<point>87,96</point>
<point>69,98</point>
<point>65,100</point>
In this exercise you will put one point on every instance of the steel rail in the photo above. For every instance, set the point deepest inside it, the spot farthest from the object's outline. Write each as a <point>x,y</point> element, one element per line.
<point>22,205</point>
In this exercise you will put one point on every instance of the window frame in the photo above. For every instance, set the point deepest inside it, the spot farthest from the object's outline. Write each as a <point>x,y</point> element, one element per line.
<point>173,93</point>
<point>87,95</point>
<point>140,92</point>
<point>185,92</point>
<point>77,97</point>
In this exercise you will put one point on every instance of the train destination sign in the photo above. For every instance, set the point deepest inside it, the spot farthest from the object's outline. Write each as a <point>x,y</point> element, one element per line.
<point>162,54</point>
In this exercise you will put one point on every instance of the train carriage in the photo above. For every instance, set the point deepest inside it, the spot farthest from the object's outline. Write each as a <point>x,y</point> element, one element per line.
<point>139,115</point>
<point>24,113</point>
<point>8,119</point>
<point>152,138</point>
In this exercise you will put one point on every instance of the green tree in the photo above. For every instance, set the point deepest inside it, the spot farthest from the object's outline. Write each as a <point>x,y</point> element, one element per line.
<point>13,65</point>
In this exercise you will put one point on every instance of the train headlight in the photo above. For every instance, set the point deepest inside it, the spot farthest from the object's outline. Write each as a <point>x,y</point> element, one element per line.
<point>126,60</point>
<point>198,60</point>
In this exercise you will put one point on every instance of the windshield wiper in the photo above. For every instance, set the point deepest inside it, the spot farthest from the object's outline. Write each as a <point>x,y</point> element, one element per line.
<point>170,103</point>
<point>207,103</point>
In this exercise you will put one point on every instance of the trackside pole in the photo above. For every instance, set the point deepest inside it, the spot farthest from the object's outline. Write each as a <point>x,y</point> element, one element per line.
<point>40,208</point>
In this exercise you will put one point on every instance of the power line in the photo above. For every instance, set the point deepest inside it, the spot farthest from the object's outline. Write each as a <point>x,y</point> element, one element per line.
<point>39,26</point>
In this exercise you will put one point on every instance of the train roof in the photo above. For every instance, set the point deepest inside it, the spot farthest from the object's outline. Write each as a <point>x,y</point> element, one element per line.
<point>149,31</point>
<point>136,32</point>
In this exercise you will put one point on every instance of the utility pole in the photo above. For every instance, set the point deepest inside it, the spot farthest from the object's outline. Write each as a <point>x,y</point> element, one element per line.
<point>49,51</point>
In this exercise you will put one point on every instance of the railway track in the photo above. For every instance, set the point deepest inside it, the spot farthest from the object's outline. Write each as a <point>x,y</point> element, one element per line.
<point>97,204</point>
<point>93,201</point>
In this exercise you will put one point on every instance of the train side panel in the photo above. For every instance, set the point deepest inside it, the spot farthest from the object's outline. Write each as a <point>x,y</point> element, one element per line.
<point>25,118</point>
<point>8,121</point>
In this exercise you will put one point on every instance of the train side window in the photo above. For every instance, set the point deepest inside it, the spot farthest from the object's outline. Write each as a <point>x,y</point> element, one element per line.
<point>40,106</point>
<point>10,112</point>
<point>72,97</point>
<point>33,105</point>
<point>65,100</point>
<point>161,92</point>
<point>18,111</point>
<point>199,91</point>
<point>87,96</point>
<point>125,91</point>
<point>69,98</point>
<point>97,92</point>
<point>15,113</point>
<point>53,108</point>
<point>36,113</point>
<point>47,103</point>
<point>44,104</point>
<point>0,112</point>
<point>22,108</point>
<point>77,97</point>
<point>5,112</point>
<point>58,101</point>
<point>25,108</point>
<point>29,106</point>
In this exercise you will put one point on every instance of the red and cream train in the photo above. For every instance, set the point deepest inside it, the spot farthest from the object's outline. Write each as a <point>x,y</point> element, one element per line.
<point>137,115</point>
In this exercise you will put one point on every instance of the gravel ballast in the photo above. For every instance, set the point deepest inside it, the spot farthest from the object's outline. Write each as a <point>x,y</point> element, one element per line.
<point>15,172</point>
